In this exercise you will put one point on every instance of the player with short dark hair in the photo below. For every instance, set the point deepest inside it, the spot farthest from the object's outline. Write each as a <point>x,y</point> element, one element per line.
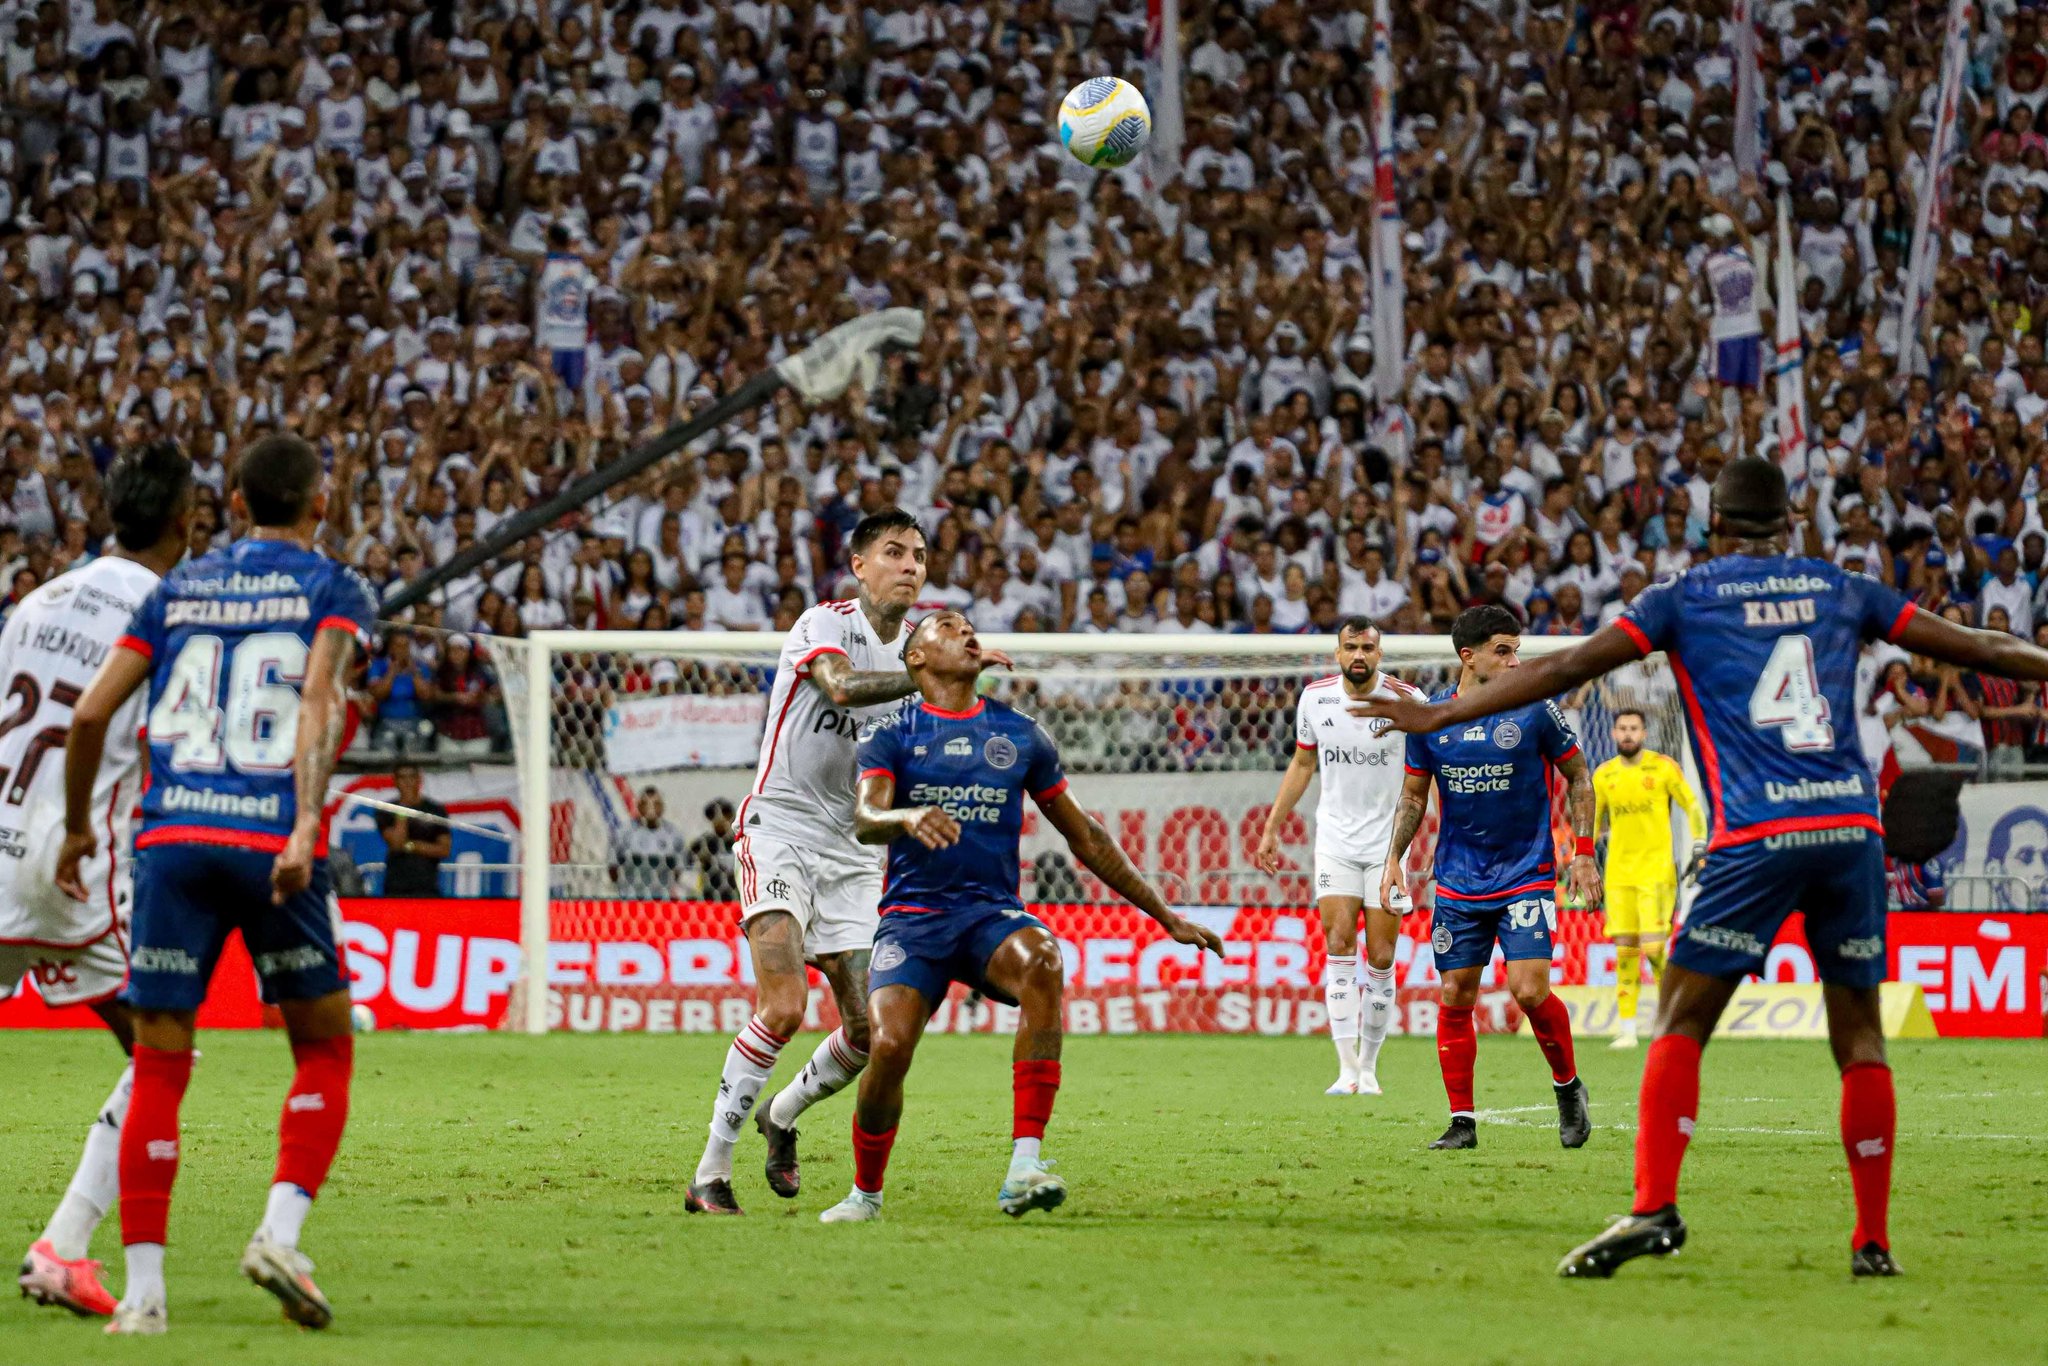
<point>1496,863</point>
<point>75,948</point>
<point>951,912</point>
<point>808,889</point>
<point>1360,764</point>
<point>1764,646</point>
<point>246,654</point>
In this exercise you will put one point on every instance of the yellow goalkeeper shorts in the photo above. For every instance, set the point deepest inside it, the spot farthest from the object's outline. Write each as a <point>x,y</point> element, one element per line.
<point>1635,908</point>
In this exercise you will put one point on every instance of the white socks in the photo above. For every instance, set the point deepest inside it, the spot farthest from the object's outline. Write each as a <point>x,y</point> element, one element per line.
<point>836,1063</point>
<point>1340,994</point>
<point>1023,1152</point>
<point>1376,987</point>
<point>285,1215</point>
<point>747,1065</point>
<point>145,1282</point>
<point>96,1185</point>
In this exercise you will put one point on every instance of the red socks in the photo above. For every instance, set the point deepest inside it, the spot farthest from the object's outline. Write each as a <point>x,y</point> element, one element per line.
<point>1870,1115</point>
<point>1457,1049</point>
<point>149,1143</point>
<point>870,1157</point>
<point>315,1109</point>
<point>1552,1025</point>
<point>1034,1082</point>
<point>1664,1115</point>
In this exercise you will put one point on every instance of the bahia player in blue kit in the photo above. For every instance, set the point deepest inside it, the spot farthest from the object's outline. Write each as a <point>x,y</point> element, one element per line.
<point>1496,865</point>
<point>1764,647</point>
<point>246,653</point>
<point>950,905</point>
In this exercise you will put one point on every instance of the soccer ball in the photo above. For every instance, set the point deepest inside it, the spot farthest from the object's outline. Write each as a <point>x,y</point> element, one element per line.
<point>1105,122</point>
<point>363,1018</point>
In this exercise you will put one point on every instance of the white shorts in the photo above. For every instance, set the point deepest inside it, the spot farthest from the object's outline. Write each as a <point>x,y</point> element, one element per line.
<point>836,902</point>
<point>82,975</point>
<point>1340,876</point>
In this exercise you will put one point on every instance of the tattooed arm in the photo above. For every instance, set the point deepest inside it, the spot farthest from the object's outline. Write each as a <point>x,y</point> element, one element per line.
<point>1105,858</point>
<point>1408,814</point>
<point>1579,808</point>
<point>835,676</point>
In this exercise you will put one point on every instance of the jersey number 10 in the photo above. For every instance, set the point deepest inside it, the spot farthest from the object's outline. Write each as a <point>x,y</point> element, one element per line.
<point>257,730</point>
<point>1788,698</point>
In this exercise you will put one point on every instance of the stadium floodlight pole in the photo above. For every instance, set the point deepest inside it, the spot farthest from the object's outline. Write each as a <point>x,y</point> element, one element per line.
<point>819,373</point>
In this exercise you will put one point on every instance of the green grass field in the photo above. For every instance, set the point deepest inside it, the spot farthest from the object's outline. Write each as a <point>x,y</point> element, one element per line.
<point>504,1199</point>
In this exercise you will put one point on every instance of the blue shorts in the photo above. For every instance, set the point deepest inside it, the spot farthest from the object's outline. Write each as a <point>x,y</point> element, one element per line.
<point>1740,361</point>
<point>1747,891</point>
<point>931,950</point>
<point>1463,933</point>
<point>570,365</point>
<point>189,897</point>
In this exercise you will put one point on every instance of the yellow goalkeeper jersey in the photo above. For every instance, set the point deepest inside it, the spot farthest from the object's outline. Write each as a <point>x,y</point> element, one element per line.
<point>1635,798</point>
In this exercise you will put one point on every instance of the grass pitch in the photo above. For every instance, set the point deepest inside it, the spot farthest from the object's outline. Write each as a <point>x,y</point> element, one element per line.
<point>501,1200</point>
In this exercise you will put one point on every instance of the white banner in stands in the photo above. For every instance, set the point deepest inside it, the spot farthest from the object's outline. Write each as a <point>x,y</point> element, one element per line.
<point>646,734</point>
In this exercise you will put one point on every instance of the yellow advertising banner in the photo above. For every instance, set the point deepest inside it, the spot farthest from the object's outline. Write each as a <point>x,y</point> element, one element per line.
<point>1759,1010</point>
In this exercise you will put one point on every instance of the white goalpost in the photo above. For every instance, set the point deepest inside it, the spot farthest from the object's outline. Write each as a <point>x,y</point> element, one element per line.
<point>1176,742</point>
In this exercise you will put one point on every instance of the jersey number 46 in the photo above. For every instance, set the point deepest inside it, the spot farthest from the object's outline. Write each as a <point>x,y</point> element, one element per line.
<point>258,728</point>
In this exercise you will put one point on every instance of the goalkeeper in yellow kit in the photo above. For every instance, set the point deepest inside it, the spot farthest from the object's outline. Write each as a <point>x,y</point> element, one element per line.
<point>1633,792</point>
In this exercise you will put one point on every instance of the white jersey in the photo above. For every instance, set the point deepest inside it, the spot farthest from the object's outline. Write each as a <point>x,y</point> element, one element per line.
<point>562,303</point>
<point>1731,283</point>
<point>1361,764</point>
<point>49,651</point>
<point>803,789</point>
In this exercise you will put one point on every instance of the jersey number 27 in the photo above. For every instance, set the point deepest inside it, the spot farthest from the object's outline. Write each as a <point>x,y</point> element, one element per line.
<point>1788,698</point>
<point>257,730</point>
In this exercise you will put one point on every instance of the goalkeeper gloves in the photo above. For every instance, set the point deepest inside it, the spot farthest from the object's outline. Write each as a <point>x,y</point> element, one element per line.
<point>1693,864</point>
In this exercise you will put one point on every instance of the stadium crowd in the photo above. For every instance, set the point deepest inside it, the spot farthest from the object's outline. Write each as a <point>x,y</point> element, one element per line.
<point>474,249</point>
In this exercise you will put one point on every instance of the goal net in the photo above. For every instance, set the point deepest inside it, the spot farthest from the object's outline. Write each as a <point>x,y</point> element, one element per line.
<point>1176,743</point>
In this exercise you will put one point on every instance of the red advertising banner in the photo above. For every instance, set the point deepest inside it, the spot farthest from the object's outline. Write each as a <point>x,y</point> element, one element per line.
<point>681,967</point>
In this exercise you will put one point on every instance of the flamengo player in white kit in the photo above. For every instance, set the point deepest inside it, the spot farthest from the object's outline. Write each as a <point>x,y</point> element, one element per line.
<point>809,891</point>
<point>1361,764</point>
<point>77,951</point>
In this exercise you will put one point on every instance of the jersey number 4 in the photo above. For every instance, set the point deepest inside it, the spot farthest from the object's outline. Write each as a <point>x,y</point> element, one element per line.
<point>1788,698</point>
<point>258,728</point>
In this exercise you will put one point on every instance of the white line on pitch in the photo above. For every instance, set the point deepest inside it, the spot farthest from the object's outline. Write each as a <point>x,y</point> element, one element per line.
<point>1505,1117</point>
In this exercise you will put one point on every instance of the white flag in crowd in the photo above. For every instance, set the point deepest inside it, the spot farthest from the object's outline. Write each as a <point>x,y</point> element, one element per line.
<point>1791,364</point>
<point>1749,147</point>
<point>1389,289</point>
<point>1163,86</point>
<point>1924,257</point>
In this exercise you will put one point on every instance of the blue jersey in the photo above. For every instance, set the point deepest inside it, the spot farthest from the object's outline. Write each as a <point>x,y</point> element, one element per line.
<point>978,766</point>
<point>1493,789</point>
<point>1764,650</point>
<point>228,636</point>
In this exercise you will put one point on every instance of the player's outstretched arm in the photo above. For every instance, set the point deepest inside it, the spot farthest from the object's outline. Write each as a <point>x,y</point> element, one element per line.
<point>1579,806</point>
<point>1602,652</point>
<point>1105,858</point>
<point>1292,784</point>
<point>323,716</point>
<point>878,820</point>
<point>124,671</point>
<point>1991,652</point>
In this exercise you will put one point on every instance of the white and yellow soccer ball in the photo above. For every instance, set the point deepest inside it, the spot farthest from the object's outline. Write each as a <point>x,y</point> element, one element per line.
<point>1105,122</point>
